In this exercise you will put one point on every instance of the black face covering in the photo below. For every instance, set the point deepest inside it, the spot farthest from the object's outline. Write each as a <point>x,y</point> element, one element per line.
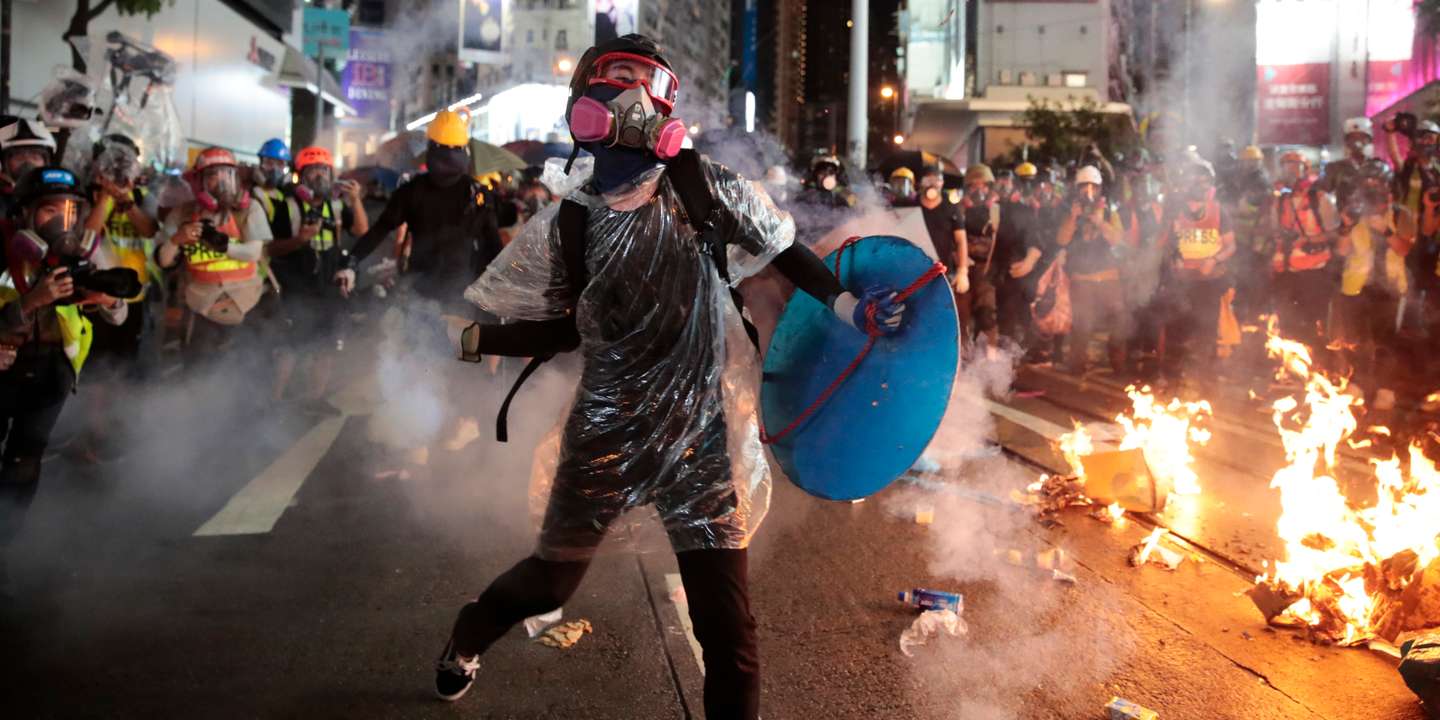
<point>615,166</point>
<point>446,164</point>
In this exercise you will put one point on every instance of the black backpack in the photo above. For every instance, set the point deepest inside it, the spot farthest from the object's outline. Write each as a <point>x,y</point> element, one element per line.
<point>686,174</point>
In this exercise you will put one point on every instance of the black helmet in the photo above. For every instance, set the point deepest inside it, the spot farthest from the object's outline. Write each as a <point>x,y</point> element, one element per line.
<point>47,181</point>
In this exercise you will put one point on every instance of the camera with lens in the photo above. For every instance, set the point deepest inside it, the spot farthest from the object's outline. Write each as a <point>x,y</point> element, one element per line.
<point>315,216</point>
<point>115,282</point>
<point>212,238</point>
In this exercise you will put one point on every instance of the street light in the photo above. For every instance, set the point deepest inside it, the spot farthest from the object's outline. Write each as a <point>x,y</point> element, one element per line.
<point>564,65</point>
<point>898,139</point>
<point>887,92</point>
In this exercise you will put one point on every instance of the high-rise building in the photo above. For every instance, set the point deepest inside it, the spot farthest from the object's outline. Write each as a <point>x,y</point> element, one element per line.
<point>695,36</point>
<point>791,53</point>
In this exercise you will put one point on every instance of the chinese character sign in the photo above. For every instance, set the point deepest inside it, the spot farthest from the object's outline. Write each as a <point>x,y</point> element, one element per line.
<point>366,77</point>
<point>327,28</point>
<point>1294,104</point>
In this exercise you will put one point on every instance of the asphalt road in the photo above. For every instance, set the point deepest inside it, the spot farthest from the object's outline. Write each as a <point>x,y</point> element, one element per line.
<point>338,608</point>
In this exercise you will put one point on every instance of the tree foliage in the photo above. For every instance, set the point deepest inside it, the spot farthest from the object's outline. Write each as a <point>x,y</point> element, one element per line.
<point>1062,131</point>
<point>87,10</point>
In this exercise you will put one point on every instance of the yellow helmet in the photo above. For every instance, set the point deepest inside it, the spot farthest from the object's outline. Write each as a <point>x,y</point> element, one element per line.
<point>449,128</point>
<point>1251,152</point>
<point>1026,170</point>
<point>903,172</point>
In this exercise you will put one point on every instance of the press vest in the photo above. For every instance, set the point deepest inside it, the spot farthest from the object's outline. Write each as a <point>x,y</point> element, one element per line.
<point>130,249</point>
<point>1198,240</point>
<point>206,266</point>
<point>1366,245</point>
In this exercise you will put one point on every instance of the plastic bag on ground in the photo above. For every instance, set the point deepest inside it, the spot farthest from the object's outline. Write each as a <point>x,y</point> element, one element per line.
<point>931,623</point>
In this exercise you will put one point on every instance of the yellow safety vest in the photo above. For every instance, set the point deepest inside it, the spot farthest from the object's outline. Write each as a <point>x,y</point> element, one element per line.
<point>131,250</point>
<point>76,332</point>
<point>326,238</point>
<point>1361,262</point>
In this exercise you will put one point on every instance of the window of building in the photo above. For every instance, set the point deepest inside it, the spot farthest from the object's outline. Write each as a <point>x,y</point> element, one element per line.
<point>1075,79</point>
<point>529,37</point>
<point>561,41</point>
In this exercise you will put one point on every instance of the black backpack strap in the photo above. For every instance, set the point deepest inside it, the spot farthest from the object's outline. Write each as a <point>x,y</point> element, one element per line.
<point>687,175</point>
<point>570,221</point>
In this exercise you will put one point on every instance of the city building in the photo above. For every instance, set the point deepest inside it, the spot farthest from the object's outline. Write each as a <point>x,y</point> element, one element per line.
<point>1020,52</point>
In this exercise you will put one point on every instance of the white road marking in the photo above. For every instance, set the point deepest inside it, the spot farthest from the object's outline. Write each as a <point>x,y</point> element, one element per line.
<point>672,582</point>
<point>258,506</point>
<point>1104,436</point>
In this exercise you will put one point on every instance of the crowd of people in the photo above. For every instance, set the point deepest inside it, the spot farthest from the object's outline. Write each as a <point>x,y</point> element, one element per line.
<point>1165,259</point>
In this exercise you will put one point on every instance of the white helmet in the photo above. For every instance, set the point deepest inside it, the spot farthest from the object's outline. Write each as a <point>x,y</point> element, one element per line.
<point>1089,174</point>
<point>1360,125</point>
<point>1427,126</point>
<point>26,133</point>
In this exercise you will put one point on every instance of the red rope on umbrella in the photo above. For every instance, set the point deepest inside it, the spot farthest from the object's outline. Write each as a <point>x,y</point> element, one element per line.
<point>872,333</point>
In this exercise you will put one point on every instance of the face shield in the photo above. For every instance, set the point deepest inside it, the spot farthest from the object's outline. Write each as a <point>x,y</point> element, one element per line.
<point>1087,193</point>
<point>119,165</point>
<point>1293,171</point>
<point>902,186</point>
<point>221,183</point>
<point>977,190</point>
<point>1426,144</point>
<point>273,171</point>
<point>59,221</point>
<point>21,160</point>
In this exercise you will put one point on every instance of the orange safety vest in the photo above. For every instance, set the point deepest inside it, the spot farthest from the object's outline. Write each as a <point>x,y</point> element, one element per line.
<point>1311,249</point>
<point>206,266</point>
<point>1198,240</point>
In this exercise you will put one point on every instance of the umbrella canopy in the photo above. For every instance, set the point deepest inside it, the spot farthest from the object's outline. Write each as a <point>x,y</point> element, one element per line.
<point>534,152</point>
<point>402,153</point>
<point>486,158</point>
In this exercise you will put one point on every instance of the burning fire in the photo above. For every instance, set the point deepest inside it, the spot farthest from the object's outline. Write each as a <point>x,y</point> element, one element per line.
<point>1351,572</point>
<point>1164,432</point>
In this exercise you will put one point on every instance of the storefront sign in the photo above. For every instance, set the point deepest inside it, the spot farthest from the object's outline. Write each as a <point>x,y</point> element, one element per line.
<point>1294,104</point>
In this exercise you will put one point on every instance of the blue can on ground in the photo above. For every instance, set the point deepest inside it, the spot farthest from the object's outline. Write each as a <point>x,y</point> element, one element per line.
<point>878,423</point>
<point>933,600</point>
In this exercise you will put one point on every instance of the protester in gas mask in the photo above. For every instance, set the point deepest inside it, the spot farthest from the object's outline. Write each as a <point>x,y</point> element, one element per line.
<point>1249,204</point>
<point>1342,177</point>
<point>1376,235</point>
<point>452,234</point>
<point>826,185</point>
<point>900,190</point>
<point>219,239</point>
<point>1200,242</point>
<point>24,146</point>
<point>305,256</point>
<point>623,270</point>
<point>47,296</point>
<point>994,239</point>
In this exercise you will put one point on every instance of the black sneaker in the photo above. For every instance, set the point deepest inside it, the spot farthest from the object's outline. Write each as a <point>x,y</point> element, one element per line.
<point>453,675</point>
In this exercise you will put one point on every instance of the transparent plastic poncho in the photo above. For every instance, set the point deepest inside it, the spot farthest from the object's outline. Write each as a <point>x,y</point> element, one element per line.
<point>665,409</point>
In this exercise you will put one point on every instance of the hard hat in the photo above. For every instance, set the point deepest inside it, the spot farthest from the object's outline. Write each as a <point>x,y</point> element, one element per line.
<point>1427,126</point>
<point>1290,156</point>
<point>1252,152</point>
<point>1026,170</point>
<point>449,128</point>
<point>26,133</point>
<point>313,155</point>
<point>214,157</point>
<point>979,171</point>
<point>825,160</point>
<point>1089,174</point>
<point>1359,125</point>
<point>275,149</point>
<point>903,172</point>
<point>48,181</point>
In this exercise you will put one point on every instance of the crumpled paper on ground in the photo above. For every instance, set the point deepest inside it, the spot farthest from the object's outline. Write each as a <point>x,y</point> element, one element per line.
<point>930,624</point>
<point>536,624</point>
<point>564,636</point>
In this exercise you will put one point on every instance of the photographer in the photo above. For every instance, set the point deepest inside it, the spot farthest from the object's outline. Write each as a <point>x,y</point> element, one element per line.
<point>219,237</point>
<point>1199,242</point>
<point>305,265</point>
<point>1376,235</point>
<point>24,146</point>
<point>48,281</point>
<point>1304,226</point>
<point>1091,235</point>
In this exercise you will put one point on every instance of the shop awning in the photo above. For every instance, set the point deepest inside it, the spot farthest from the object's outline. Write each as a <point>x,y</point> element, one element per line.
<point>298,71</point>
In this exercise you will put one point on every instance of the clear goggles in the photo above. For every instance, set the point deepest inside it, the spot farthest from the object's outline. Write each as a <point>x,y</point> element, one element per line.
<point>632,71</point>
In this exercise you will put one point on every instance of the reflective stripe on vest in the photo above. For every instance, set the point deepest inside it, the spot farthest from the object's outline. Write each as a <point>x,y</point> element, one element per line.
<point>206,266</point>
<point>325,239</point>
<point>76,332</point>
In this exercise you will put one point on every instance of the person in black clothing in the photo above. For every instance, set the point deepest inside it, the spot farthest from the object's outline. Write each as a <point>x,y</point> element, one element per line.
<point>453,233</point>
<point>946,229</point>
<point>632,272</point>
<point>304,258</point>
<point>993,239</point>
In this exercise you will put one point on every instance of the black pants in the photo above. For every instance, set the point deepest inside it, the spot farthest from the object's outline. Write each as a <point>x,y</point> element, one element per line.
<point>716,586</point>
<point>32,394</point>
<point>1192,323</point>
